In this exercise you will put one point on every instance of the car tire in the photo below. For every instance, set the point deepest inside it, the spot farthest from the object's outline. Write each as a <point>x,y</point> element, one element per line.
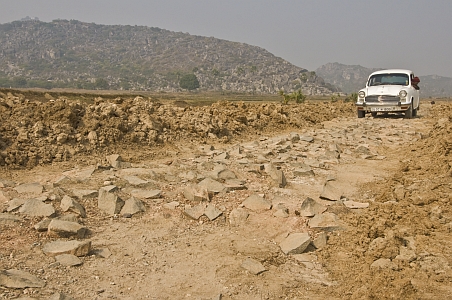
<point>409,112</point>
<point>373,114</point>
<point>361,113</point>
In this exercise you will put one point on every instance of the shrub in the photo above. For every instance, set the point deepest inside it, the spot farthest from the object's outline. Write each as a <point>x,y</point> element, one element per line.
<point>189,82</point>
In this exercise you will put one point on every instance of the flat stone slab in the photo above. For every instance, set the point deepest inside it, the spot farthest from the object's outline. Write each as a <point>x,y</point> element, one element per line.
<point>9,219</point>
<point>37,208</point>
<point>326,221</point>
<point>295,243</point>
<point>195,212</point>
<point>212,186</point>
<point>304,172</point>
<point>257,203</point>
<point>146,194</point>
<point>81,194</point>
<point>331,191</point>
<point>137,171</point>
<point>135,180</point>
<point>77,248</point>
<point>253,266</point>
<point>212,212</point>
<point>15,204</point>
<point>133,206</point>
<point>102,252</point>
<point>68,260</point>
<point>29,188</point>
<point>238,216</point>
<point>196,193</point>
<point>17,279</point>
<point>171,205</point>
<point>310,208</point>
<point>66,229</point>
<point>80,174</point>
<point>42,225</point>
<point>355,205</point>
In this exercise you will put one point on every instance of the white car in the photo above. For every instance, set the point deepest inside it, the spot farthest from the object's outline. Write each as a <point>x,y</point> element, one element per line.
<point>389,91</point>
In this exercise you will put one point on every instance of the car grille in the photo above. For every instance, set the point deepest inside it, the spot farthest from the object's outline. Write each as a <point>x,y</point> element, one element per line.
<point>382,98</point>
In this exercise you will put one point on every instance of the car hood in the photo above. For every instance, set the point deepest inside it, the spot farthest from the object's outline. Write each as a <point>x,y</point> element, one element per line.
<point>383,90</point>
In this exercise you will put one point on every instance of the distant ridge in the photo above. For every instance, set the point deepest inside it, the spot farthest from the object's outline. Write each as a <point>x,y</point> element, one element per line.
<point>352,78</point>
<point>74,54</point>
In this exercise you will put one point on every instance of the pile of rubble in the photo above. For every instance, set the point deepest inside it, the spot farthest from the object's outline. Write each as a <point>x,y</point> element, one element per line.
<point>36,133</point>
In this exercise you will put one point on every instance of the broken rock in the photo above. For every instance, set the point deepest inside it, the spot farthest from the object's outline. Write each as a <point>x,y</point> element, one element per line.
<point>253,266</point>
<point>77,248</point>
<point>109,202</point>
<point>29,188</point>
<point>37,208</point>
<point>17,279</point>
<point>66,229</point>
<point>257,203</point>
<point>295,243</point>
<point>69,204</point>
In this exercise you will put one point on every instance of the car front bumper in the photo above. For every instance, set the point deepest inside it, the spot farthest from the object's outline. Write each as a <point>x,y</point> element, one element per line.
<point>383,106</point>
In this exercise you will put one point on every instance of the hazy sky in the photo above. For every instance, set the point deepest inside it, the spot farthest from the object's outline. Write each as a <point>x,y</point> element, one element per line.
<point>411,34</point>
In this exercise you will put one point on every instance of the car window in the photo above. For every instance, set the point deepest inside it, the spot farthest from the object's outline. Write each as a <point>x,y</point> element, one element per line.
<point>388,79</point>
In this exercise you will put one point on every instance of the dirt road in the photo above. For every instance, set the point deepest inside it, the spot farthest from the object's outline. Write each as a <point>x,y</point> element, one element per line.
<point>231,201</point>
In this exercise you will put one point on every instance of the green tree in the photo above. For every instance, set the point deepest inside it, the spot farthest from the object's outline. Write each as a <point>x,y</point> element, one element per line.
<point>189,82</point>
<point>298,96</point>
<point>19,82</point>
<point>101,84</point>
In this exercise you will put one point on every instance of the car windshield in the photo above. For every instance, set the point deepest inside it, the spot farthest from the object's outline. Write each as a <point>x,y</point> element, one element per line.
<point>389,79</point>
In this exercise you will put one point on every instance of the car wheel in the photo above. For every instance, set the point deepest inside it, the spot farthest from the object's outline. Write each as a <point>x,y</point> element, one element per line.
<point>374,114</point>
<point>414,112</point>
<point>409,112</point>
<point>361,113</point>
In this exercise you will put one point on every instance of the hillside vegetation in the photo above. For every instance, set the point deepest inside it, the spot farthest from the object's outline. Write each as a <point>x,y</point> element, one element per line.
<point>73,54</point>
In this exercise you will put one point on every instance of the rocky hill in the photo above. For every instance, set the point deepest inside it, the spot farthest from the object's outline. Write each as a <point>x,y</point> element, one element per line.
<point>73,54</point>
<point>351,78</point>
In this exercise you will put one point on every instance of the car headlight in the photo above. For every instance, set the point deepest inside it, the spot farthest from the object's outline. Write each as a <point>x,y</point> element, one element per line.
<point>361,94</point>
<point>402,94</point>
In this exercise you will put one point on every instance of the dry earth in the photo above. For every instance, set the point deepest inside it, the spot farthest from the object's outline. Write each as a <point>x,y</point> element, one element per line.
<point>228,201</point>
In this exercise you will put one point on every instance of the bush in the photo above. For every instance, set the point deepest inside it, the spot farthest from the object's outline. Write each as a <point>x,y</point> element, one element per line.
<point>189,82</point>
<point>297,96</point>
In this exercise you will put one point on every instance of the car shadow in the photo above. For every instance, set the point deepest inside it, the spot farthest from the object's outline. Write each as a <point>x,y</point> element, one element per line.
<point>393,116</point>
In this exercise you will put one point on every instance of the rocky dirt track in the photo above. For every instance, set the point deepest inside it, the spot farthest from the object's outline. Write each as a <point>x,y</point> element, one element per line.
<point>135,199</point>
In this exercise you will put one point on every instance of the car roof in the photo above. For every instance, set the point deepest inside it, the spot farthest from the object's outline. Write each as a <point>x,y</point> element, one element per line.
<point>388,71</point>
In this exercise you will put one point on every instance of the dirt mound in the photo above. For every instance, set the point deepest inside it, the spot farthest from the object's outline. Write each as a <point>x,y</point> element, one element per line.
<point>401,247</point>
<point>38,133</point>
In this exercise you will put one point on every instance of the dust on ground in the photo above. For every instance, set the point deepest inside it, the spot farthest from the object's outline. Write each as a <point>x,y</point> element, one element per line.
<point>398,247</point>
